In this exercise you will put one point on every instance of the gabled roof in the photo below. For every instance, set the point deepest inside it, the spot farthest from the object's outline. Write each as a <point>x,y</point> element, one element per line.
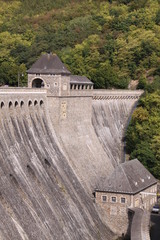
<point>49,64</point>
<point>129,177</point>
<point>80,80</point>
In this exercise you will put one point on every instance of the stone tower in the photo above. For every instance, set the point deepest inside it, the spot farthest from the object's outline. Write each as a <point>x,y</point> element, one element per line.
<point>49,72</point>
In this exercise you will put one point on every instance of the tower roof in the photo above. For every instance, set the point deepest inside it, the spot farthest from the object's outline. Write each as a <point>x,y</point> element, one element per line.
<point>49,64</point>
<point>129,177</point>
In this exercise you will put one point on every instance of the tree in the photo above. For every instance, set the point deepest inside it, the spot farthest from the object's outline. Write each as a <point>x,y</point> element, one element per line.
<point>143,133</point>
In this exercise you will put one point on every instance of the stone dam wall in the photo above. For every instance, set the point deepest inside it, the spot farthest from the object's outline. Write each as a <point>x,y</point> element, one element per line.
<point>40,195</point>
<point>111,114</point>
<point>51,156</point>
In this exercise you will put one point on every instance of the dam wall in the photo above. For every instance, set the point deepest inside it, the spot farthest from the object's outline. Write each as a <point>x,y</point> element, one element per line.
<point>111,112</point>
<point>58,139</point>
<point>76,135</point>
<point>91,129</point>
<point>41,193</point>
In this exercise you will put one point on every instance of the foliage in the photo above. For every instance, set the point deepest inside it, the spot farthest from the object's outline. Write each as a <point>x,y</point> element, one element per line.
<point>109,41</point>
<point>143,134</point>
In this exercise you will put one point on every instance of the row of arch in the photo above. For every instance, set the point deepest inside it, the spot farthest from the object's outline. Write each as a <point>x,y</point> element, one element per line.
<point>114,97</point>
<point>81,86</point>
<point>22,103</point>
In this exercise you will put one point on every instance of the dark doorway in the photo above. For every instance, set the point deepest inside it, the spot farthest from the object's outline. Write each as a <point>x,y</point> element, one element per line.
<point>37,83</point>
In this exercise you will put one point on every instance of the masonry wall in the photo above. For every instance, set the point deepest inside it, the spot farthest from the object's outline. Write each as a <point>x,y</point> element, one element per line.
<point>111,112</point>
<point>49,148</point>
<point>41,195</point>
<point>71,119</point>
<point>15,98</point>
<point>145,201</point>
<point>56,85</point>
<point>116,212</point>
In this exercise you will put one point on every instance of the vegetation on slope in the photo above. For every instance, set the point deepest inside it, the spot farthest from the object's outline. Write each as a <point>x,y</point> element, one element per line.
<point>143,134</point>
<point>111,42</point>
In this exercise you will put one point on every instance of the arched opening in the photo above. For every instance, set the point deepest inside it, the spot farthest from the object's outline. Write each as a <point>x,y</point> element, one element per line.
<point>16,104</point>
<point>37,83</point>
<point>41,103</point>
<point>35,102</point>
<point>2,104</point>
<point>22,103</point>
<point>10,104</point>
<point>29,103</point>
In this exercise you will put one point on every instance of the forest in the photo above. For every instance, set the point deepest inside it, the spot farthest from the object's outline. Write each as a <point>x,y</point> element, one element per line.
<point>115,43</point>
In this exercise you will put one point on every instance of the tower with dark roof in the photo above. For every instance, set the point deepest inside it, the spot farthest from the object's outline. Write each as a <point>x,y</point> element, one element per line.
<point>49,72</point>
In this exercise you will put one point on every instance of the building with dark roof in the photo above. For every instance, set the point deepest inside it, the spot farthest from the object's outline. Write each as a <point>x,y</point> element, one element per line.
<point>130,185</point>
<point>129,177</point>
<point>49,72</point>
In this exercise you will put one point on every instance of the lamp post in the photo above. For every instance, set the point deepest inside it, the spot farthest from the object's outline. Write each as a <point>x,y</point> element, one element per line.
<point>19,75</point>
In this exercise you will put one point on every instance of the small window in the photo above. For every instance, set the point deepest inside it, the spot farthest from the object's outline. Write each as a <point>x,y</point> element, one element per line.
<point>113,199</point>
<point>123,200</point>
<point>104,198</point>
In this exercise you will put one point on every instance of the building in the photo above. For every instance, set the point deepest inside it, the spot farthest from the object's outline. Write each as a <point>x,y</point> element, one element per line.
<point>49,72</point>
<point>130,185</point>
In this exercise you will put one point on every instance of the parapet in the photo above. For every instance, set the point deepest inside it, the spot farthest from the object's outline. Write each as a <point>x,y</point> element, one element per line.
<point>116,94</point>
<point>21,98</point>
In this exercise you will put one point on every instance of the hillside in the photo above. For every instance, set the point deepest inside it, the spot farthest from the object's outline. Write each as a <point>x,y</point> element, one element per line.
<point>111,42</point>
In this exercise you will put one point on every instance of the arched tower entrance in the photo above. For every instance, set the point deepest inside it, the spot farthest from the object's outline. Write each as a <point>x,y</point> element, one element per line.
<point>37,83</point>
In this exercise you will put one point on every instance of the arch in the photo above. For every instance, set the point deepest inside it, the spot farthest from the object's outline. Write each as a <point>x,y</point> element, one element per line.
<point>16,104</point>
<point>37,83</point>
<point>35,102</point>
<point>2,104</point>
<point>29,103</point>
<point>41,103</point>
<point>10,104</point>
<point>22,103</point>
